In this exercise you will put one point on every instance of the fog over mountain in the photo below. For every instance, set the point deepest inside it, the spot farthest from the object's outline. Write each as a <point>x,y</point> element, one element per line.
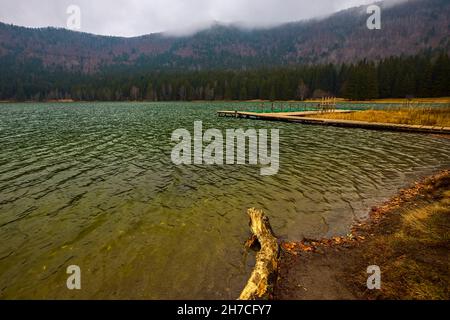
<point>139,17</point>
<point>408,28</point>
<point>334,55</point>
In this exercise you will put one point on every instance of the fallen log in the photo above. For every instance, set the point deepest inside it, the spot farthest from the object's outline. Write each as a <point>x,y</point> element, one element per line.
<point>261,283</point>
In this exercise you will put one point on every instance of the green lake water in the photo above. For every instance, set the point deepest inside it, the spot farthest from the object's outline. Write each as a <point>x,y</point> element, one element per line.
<point>92,184</point>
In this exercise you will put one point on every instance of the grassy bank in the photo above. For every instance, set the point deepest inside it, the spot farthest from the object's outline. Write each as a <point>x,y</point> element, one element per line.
<point>411,246</point>
<point>411,116</point>
<point>407,237</point>
<point>403,101</point>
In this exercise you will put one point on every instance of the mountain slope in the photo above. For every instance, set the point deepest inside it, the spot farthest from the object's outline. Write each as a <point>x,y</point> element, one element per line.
<point>407,28</point>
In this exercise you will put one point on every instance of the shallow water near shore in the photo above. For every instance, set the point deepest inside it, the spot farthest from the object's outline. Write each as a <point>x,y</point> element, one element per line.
<point>93,184</point>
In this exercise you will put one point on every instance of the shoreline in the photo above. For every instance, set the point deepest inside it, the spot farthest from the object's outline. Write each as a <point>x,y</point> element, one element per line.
<point>437,100</point>
<point>406,236</point>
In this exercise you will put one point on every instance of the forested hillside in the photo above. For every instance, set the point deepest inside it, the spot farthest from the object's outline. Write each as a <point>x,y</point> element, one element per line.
<point>418,76</point>
<point>338,55</point>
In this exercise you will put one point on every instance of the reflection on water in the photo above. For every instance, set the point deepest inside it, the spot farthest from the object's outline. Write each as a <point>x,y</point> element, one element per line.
<point>93,185</point>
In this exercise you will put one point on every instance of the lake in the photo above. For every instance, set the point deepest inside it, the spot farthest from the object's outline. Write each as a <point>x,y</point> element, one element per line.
<point>92,184</point>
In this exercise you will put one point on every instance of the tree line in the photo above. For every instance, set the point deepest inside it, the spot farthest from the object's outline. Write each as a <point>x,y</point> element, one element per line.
<point>423,75</point>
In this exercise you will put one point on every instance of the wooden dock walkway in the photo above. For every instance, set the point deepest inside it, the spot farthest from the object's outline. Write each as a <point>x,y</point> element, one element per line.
<point>300,117</point>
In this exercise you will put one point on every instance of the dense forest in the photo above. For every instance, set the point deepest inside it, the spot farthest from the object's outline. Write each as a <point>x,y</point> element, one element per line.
<point>424,75</point>
<point>334,56</point>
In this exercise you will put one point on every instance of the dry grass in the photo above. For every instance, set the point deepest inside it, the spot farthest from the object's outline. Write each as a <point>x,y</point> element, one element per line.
<point>408,237</point>
<point>440,100</point>
<point>421,247</point>
<point>413,250</point>
<point>416,100</point>
<point>426,116</point>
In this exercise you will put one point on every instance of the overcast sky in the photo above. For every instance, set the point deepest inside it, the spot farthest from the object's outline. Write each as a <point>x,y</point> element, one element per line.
<point>138,17</point>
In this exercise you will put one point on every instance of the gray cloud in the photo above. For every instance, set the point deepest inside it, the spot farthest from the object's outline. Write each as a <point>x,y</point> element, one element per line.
<point>138,17</point>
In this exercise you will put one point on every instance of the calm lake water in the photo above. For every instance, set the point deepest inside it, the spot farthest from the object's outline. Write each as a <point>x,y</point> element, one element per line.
<point>92,184</point>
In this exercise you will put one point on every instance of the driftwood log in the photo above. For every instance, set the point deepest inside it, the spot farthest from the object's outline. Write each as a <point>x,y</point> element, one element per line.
<point>262,280</point>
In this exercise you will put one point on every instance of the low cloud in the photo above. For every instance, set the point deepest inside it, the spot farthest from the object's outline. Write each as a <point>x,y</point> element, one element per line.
<point>138,17</point>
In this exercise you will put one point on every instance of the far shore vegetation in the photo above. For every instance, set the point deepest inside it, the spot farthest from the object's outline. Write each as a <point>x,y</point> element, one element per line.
<point>431,100</point>
<point>425,116</point>
<point>422,75</point>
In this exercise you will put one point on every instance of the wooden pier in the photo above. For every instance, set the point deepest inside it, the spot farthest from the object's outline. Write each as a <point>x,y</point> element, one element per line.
<point>300,117</point>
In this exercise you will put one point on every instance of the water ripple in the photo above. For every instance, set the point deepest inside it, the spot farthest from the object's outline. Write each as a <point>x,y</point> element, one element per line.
<point>94,184</point>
